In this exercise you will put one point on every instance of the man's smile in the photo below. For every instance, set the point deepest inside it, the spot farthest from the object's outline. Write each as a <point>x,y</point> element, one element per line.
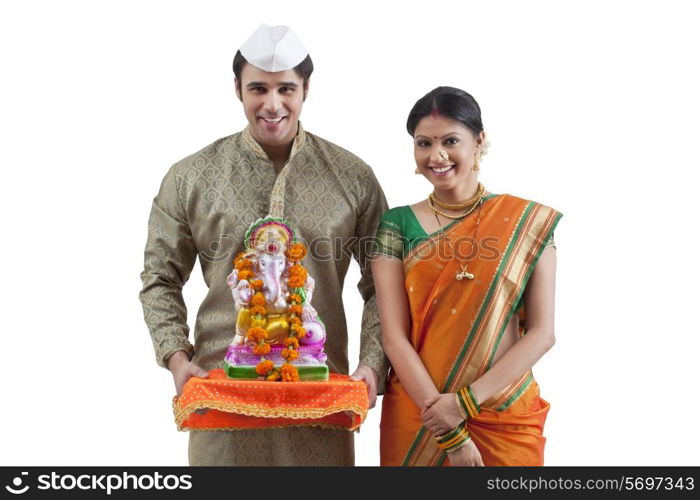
<point>272,121</point>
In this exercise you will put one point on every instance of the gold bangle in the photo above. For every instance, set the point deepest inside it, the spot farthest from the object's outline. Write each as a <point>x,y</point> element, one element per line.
<point>460,445</point>
<point>462,413</point>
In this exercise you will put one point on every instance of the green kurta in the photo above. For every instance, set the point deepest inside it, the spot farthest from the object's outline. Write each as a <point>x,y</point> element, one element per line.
<point>205,204</point>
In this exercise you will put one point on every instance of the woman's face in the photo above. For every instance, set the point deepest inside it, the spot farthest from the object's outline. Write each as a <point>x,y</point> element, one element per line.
<point>436,133</point>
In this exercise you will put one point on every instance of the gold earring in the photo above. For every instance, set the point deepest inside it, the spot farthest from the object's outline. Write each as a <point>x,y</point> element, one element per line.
<point>475,168</point>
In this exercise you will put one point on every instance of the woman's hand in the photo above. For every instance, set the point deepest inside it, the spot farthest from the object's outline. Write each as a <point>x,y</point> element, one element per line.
<point>440,414</point>
<point>468,455</point>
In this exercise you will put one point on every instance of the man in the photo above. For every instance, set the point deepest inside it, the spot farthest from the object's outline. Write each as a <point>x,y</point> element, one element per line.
<point>206,203</point>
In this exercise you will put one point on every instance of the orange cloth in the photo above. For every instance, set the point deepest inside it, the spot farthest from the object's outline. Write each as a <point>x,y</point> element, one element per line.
<point>456,327</point>
<point>254,404</point>
<point>513,436</point>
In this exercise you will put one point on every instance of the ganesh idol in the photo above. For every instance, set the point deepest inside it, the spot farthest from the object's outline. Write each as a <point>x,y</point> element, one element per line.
<point>278,334</point>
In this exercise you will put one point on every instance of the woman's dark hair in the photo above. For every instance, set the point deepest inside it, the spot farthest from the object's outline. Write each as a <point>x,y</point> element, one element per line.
<point>449,102</point>
<point>303,69</point>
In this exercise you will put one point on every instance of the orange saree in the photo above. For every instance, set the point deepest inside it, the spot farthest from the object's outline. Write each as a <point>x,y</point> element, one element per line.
<point>456,327</point>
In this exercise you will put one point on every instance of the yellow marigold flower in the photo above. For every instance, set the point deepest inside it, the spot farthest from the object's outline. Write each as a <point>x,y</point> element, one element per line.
<point>258,299</point>
<point>275,375</point>
<point>261,349</point>
<point>300,332</point>
<point>289,373</point>
<point>264,367</point>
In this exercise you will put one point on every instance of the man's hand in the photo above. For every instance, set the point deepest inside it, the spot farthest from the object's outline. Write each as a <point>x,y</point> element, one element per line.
<point>182,369</point>
<point>369,377</point>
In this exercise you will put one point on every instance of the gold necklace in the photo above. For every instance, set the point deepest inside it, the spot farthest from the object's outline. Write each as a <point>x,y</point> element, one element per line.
<point>464,272</point>
<point>460,206</point>
<point>455,217</point>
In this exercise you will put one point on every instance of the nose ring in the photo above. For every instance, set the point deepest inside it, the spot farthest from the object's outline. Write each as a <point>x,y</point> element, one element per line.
<point>445,157</point>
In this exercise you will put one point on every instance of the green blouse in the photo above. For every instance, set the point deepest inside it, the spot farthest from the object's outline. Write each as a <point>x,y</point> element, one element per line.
<point>400,231</point>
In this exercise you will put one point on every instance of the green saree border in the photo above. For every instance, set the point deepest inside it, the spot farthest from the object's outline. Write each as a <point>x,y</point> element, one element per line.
<point>489,295</point>
<point>518,393</point>
<point>427,236</point>
<point>526,279</point>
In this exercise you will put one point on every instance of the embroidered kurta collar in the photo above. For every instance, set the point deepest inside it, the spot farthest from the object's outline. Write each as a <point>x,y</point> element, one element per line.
<point>257,149</point>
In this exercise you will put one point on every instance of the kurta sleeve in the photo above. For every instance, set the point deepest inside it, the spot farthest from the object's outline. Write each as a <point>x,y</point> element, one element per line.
<point>371,353</point>
<point>169,258</point>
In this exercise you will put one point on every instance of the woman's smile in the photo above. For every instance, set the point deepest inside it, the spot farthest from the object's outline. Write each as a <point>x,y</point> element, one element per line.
<point>441,170</point>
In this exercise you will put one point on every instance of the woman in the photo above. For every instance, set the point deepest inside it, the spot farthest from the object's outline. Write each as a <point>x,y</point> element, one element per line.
<point>460,278</point>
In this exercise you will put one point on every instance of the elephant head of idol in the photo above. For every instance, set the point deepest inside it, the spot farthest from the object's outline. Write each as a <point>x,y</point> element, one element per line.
<point>267,241</point>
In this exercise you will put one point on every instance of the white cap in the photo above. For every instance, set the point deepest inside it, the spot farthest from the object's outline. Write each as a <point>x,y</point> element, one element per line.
<point>273,48</point>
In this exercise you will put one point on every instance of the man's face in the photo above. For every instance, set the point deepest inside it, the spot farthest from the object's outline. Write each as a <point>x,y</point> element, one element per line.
<point>272,103</point>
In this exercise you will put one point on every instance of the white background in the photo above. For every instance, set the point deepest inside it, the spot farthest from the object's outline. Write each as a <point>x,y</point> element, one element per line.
<point>591,107</point>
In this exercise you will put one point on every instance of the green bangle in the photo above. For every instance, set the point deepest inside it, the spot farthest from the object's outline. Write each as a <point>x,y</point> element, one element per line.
<point>468,402</point>
<point>450,435</point>
<point>454,439</point>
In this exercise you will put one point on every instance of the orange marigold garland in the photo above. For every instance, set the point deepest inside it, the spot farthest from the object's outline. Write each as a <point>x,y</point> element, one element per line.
<point>263,367</point>
<point>296,251</point>
<point>291,341</point>
<point>256,334</point>
<point>245,274</point>
<point>297,276</point>
<point>258,299</point>
<point>261,349</point>
<point>290,354</point>
<point>240,262</point>
<point>289,373</point>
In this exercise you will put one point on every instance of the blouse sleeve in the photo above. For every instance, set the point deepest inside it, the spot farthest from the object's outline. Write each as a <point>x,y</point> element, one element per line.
<point>550,242</point>
<point>389,240</point>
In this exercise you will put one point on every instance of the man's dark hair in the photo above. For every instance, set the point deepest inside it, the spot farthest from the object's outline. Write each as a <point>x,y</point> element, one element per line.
<point>303,69</point>
<point>449,102</point>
